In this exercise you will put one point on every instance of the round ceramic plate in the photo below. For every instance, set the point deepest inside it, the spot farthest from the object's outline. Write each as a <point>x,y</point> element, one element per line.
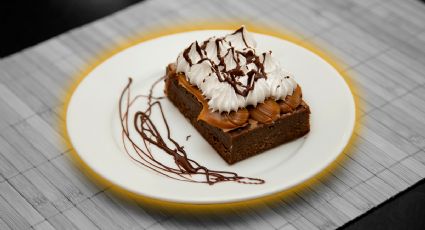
<point>94,128</point>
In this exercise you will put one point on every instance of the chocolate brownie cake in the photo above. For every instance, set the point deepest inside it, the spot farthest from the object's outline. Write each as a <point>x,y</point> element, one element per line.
<point>241,102</point>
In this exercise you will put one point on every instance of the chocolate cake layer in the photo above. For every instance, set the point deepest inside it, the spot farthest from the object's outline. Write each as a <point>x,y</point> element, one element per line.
<point>244,142</point>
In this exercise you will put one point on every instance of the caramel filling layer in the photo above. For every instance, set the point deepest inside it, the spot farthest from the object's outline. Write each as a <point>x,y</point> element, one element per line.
<point>266,112</point>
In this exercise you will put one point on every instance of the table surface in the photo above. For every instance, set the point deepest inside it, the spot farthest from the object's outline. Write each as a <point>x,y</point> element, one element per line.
<point>382,46</point>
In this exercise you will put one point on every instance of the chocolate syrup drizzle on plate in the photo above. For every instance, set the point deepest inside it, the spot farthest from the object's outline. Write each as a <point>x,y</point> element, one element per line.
<point>185,169</point>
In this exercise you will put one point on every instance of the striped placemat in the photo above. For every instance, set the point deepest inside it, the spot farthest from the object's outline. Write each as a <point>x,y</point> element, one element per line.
<point>382,46</point>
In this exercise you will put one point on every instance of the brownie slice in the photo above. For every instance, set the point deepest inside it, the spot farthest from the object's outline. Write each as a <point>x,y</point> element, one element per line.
<point>244,142</point>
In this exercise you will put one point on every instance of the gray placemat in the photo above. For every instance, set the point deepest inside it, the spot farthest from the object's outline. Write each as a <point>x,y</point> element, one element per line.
<point>382,44</point>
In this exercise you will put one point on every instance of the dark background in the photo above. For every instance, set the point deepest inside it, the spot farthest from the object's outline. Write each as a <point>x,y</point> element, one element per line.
<point>26,23</point>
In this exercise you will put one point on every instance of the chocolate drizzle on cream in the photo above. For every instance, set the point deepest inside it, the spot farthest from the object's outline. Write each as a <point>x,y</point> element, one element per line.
<point>184,168</point>
<point>231,75</point>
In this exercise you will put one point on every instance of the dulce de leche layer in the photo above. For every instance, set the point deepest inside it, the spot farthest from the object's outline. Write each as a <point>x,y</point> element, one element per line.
<point>266,112</point>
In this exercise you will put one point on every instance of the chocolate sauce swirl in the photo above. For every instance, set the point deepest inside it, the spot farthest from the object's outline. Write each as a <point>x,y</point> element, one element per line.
<point>185,169</point>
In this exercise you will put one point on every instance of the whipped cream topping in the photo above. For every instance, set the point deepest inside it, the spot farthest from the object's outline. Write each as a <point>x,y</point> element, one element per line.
<point>231,75</point>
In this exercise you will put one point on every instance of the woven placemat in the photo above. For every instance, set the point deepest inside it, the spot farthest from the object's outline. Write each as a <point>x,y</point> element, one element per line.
<point>382,46</point>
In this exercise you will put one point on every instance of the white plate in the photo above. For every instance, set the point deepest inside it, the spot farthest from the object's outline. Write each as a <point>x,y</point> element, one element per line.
<point>94,129</point>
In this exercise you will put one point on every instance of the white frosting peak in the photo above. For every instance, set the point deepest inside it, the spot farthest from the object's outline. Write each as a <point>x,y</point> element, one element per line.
<point>241,40</point>
<point>270,64</point>
<point>226,98</point>
<point>198,72</point>
<point>182,65</point>
<point>259,93</point>
<point>230,60</point>
<point>232,75</point>
<point>211,50</point>
<point>193,53</point>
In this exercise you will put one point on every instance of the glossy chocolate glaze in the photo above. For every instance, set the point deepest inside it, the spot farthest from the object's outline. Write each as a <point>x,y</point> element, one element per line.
<point>185,168</point>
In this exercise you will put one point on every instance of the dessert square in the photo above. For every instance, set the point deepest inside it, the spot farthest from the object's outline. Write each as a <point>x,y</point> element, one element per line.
<point>241,102</point>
